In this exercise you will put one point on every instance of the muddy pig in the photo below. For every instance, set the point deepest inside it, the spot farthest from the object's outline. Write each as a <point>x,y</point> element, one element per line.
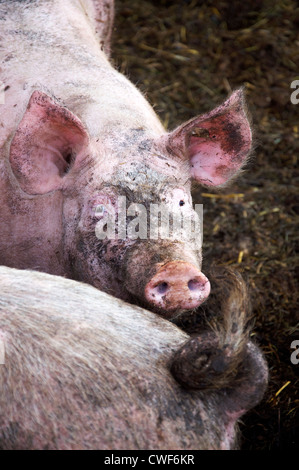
<point>84,161</point>
<point>76,373</point>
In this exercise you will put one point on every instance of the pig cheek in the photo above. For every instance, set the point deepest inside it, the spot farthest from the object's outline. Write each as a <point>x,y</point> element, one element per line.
<point>71,210</point>
<point>113,252</point>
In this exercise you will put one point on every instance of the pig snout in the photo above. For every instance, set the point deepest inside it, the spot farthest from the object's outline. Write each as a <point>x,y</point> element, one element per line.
<point>177,285</point>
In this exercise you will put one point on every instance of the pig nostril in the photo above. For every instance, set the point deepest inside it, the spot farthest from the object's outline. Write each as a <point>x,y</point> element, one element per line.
<point>194,284</point>
<point>162,288</point>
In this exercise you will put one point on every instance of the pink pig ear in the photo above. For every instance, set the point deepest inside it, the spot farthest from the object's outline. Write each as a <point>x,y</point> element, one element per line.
<point>46,143</point>
<point>217,143</point>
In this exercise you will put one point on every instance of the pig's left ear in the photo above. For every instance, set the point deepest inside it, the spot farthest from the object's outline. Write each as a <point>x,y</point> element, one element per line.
<point>48,141</point>
<point>217,143</point>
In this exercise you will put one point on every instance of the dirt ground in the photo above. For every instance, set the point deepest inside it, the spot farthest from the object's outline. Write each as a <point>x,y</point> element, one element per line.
<point>187,56</point>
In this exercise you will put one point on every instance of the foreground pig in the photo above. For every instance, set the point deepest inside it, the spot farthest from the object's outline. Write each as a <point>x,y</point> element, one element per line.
<point>77,137</point>
<point>78,372</point>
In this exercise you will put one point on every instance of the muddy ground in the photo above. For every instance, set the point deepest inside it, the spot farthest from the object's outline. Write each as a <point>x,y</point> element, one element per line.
<point>187,56</point>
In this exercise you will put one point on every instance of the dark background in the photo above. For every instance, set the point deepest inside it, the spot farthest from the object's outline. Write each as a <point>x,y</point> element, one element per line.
<point>187,56</point>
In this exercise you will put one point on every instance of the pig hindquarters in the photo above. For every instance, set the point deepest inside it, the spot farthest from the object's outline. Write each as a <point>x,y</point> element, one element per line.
<point>84,370</point>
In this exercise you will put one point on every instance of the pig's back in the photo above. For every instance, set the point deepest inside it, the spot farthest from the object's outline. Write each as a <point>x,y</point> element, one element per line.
<point>52,47</point>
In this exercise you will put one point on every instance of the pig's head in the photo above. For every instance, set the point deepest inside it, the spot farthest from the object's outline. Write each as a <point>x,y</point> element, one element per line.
<point>113,188</point>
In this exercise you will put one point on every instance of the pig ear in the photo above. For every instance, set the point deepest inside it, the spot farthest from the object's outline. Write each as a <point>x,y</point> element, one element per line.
<point>217,143</point>
<point>48,140</point>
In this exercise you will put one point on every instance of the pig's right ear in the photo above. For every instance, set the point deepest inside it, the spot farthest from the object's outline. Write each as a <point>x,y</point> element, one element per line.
<point>48,140</point>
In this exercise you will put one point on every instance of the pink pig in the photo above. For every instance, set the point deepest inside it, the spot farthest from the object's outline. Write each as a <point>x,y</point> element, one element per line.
<point>76,136</point>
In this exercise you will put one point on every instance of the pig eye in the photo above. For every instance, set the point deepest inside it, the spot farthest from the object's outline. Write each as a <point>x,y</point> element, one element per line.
<point>182,203</point>
<point>100,210</point>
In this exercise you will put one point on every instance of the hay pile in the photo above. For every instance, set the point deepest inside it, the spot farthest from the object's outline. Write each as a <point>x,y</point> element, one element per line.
<point>187,56</point>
